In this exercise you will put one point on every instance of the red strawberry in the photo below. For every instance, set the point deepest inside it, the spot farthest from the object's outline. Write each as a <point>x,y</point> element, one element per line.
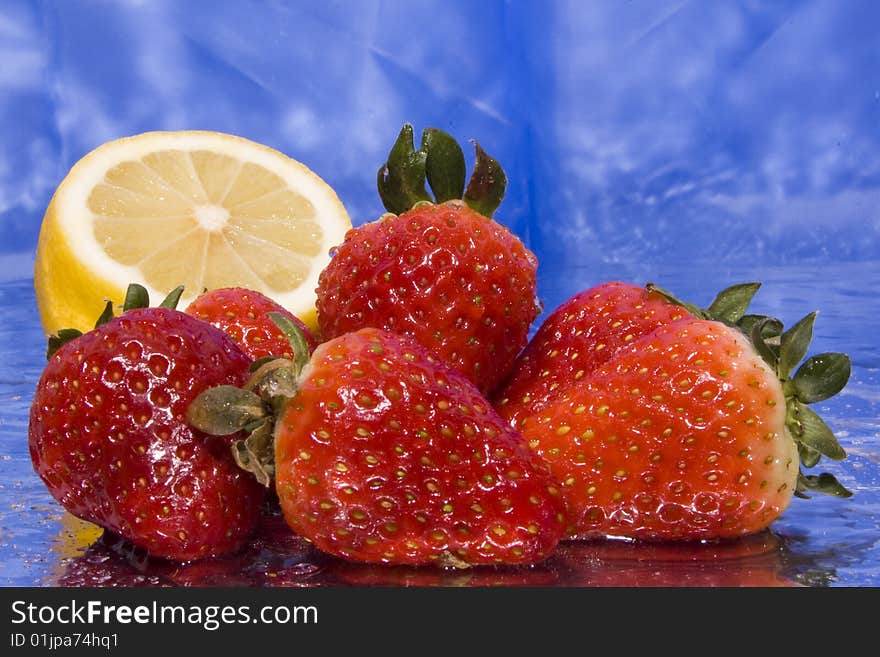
<point>109,438</point>
<point>243,315</point>
<point>457,281</point>
<point>589,329</point>
<point>687,433</point>
<point>385,455</point>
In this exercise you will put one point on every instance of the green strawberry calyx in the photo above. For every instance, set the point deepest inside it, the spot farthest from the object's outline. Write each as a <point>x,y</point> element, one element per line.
<point>225,410</point>
<point>136,296</point>
<point>818,378</point>
<point>439,161</point>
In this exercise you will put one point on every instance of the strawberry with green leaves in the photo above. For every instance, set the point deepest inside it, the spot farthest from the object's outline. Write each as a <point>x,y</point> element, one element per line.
<point>440,270</point>
<point>109,437</point>
<point>692,430</point>
<point>382,454</point>
<point>243,314</point>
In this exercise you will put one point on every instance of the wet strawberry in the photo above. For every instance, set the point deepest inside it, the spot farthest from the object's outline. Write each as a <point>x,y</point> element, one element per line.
<point>688,433</point>
<point>243,315</point>
<point>108,434</point>
<point>382,454</point>
<point>446,274</point>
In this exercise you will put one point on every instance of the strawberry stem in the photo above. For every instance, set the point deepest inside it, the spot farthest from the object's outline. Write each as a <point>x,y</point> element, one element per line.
<point>253,409</point>
<point>440,161</point>
<point>173,298</point>
<point>401,180</point>
<point>106,316</point>
<point>55,342</point>
<point>256,453</point>
<point>295,337</point>
<point>487,184</point>
<point>225,410</point>
<point>764,332</point>
<point>136,296</point>
<point>732,303</point>
<point>444,165</point>
<point>819,378</point>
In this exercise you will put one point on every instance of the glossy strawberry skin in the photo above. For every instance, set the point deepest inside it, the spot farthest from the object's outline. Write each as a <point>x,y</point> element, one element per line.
<point>680,436</point>
<point>459,283</point>
<point>577,338</point>
<point>243,315</point>
<point>387,456</point>
<point>109,438</point>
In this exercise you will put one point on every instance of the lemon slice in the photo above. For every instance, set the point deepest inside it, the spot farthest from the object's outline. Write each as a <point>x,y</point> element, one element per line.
<point>193,208</point>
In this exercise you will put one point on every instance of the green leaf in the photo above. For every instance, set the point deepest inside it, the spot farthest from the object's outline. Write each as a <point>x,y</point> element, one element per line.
<point>808,456</point>
<point>106,315</point>
<point>401,180</point>
<point>487,184</point>
<point>794,344</point>
<point>172,299</point>
<point>824,483</point>
<point>758,333</point>
<point>822,376</point>
<point>224,410</point>
<point>444,166</point>
<point>256,453</point>
<point>731,303</point>
<point>296,339</point>
<point>55,342</point>
<point>771,327</point>
<point>136,296</point>
<point>810,429</point>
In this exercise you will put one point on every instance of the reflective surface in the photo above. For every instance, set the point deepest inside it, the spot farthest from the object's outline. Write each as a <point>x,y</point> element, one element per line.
<point>691,144</point>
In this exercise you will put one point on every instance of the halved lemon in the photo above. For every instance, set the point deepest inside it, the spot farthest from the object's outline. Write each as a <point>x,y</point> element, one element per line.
<point>194,208</point>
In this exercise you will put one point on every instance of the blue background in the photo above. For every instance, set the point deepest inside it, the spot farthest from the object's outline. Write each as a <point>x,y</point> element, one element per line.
<point>642,130</point>
<point>695,144</point>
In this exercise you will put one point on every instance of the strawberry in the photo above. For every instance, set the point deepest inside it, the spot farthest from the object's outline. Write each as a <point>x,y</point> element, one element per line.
<point>109,438</point>
<point>590,328</point>
<point>444,273</point>
<point>382,454</point>
<point>243,315</point>
<point>691,431</point>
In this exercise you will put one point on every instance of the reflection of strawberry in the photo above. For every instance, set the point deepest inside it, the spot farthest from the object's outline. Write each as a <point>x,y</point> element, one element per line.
<point>382,454</point>
<point>108,437</point>
<point>243,315</point>
<point>686,432</point>
<point>110,562</point>
<point>447,274</point>
<point>274,556</point>
<point>589,329</point>
<point>355,574</point>
<point>750,561</point>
